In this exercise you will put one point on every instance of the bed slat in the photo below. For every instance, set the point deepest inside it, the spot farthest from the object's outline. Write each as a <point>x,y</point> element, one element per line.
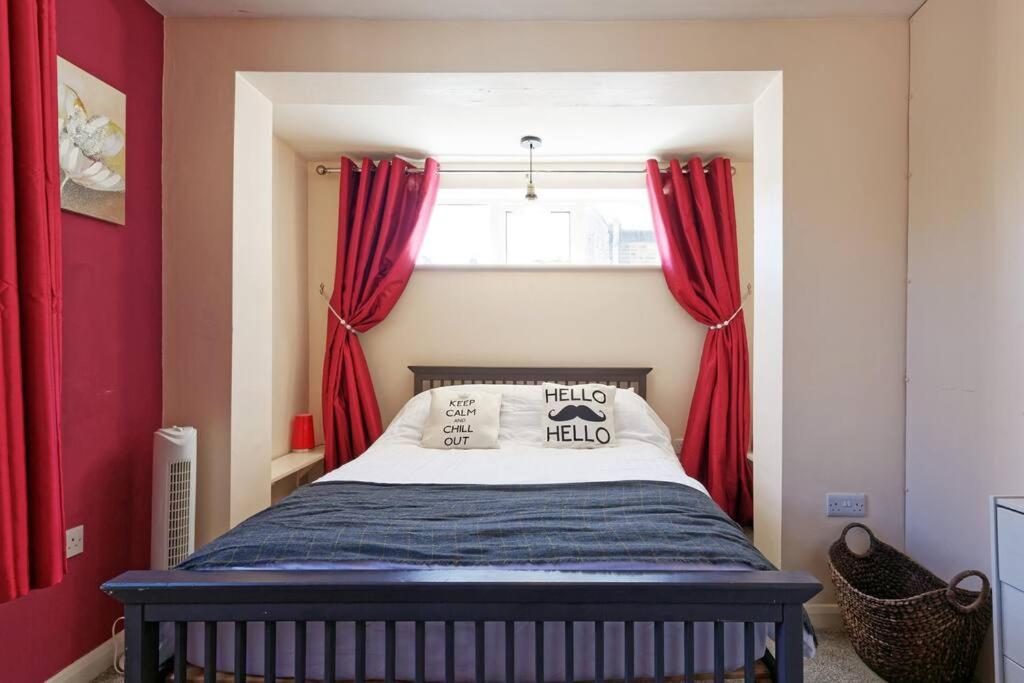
<point>570,663</point>
<point>421,652</point>
<point>659,652</point>
<point>210,651</point>
<point>538,650</point>
<point>688,664</point>
<point>510,652</point>
<point>360,637</point>
<point>449,652</point>
<point>180,650</point>
<point>719,652</point>
<point>748,652</point>
<point>481,662</point>
<point>389,652</point>
<point>330,650</point>
<point>300,652</point>
<point>270,651</point>
<point>630,653</point>
<point>241,643</point>
<point>598,652</point>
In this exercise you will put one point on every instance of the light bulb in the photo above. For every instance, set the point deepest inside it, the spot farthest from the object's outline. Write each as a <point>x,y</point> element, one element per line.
<point>531,191</point>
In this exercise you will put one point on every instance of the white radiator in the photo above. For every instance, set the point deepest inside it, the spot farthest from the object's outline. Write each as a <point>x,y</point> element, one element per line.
<point>174,496</point>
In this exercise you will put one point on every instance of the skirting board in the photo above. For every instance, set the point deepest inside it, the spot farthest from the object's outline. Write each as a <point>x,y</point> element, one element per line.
<point>89,666</point>
<point>824,615</point>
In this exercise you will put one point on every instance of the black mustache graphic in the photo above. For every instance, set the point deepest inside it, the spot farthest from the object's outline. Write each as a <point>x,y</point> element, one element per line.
<point>572,412</point>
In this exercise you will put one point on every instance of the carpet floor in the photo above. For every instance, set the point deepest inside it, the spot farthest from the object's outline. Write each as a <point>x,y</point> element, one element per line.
<point>836,663</point>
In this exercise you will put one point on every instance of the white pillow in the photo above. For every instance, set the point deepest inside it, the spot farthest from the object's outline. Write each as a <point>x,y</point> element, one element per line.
<point>522,406</point>
<point>635,420</point>
<point>462,418</point>
<point>578,416</point>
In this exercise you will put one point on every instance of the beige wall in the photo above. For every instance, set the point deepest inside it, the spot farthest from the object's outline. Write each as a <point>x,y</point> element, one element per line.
<point>517,317</point>
<point>845,203</point>
<point>290,362</point>
<point>767,369</point>
<point>966,301</point>
<point>252,326</point>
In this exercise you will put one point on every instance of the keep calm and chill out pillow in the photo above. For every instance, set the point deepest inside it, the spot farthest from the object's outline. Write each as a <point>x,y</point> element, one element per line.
<point>462,419</point>
<point>579,416</point>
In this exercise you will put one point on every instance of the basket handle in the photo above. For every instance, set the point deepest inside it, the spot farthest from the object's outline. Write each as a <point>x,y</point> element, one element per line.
<point>871,536</point>
<point>982,594</point>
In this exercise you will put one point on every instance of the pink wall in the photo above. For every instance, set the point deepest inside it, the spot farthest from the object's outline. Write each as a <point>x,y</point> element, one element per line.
<point>112,355</point>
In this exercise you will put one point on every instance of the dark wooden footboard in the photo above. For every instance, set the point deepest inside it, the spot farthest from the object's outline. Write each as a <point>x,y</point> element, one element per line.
<point>458,595</point>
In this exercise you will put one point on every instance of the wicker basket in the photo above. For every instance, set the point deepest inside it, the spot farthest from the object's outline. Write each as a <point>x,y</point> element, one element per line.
<point>906,623</point>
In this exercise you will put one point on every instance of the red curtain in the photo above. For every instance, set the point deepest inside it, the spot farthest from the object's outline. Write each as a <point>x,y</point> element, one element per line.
<point>31,500</point>
<point>695,226</point>
<point>382,219</point>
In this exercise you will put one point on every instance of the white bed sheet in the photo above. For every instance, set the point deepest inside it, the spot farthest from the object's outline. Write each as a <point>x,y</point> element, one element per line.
<point>644,452</point>
<point>514,463</point>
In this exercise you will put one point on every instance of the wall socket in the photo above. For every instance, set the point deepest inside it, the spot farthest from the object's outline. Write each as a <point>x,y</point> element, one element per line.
<point>845,505</point>
<point>75,540</point>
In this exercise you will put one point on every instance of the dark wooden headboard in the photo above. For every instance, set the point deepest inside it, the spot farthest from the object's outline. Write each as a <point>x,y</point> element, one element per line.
<point>427,377</point>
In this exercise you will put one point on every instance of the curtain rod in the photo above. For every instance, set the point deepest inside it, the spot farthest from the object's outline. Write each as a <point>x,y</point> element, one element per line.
<point>324,170</point>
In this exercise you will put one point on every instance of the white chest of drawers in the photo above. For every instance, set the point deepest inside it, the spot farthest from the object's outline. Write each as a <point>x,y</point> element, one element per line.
<point>1008,587</point>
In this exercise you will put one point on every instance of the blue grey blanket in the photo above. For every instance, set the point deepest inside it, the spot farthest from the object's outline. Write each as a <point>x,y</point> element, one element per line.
<point>473,525</point>
<point>352,523</point>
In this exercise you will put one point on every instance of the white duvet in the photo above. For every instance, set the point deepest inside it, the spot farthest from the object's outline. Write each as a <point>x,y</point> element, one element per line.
<point>644,450</point>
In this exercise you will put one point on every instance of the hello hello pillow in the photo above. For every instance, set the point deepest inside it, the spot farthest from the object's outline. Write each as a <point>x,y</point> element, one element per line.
<point>579,416</point>
<point>462,419</point>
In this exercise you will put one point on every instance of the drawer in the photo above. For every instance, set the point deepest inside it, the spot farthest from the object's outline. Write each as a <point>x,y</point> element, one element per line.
<point>1011,672</point>
<point>1013,623</point>
<point>1011,547</point>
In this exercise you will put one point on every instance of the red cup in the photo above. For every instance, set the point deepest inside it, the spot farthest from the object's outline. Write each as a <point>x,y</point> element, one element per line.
<point>302,432</point>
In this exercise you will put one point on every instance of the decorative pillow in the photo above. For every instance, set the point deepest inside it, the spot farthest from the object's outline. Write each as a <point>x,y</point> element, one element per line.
<point>462,419</point>
<point>579,416</point>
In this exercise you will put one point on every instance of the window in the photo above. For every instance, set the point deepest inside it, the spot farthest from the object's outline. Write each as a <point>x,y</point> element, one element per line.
<point>538,236</point>
<point>496,227</point>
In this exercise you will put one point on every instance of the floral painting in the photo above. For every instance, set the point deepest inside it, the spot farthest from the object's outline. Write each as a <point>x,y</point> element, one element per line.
<point>91,129</point>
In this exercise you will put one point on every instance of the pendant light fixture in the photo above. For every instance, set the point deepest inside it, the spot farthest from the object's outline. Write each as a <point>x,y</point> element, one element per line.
<point>530,142</point>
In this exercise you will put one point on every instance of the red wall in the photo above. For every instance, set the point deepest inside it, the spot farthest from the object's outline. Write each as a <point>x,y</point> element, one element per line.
<point>112,355</point>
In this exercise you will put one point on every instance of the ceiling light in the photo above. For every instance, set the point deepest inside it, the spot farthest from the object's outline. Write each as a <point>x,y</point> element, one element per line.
<point>530,142</point>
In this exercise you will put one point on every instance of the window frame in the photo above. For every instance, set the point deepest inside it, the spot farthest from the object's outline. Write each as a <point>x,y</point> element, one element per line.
<point>500,208</point>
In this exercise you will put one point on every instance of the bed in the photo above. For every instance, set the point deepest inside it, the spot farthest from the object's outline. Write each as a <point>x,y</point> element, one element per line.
<point>517,564</point>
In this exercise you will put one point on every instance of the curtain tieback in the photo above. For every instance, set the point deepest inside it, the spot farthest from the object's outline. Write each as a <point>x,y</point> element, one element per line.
<point>734,313</point>
<point>344,323</point>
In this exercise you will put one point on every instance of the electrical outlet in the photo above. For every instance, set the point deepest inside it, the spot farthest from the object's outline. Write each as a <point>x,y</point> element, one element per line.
<point>845,505</point>
<point>75,540</point>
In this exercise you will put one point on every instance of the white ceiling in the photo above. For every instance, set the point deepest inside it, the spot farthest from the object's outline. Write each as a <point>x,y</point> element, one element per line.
<point>575,89</point>
<point>605,134</point>
<point>606,117</point>
<point>540,10</point>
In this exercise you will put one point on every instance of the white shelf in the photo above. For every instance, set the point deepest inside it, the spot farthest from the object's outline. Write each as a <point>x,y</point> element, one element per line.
<point>294,462</point>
